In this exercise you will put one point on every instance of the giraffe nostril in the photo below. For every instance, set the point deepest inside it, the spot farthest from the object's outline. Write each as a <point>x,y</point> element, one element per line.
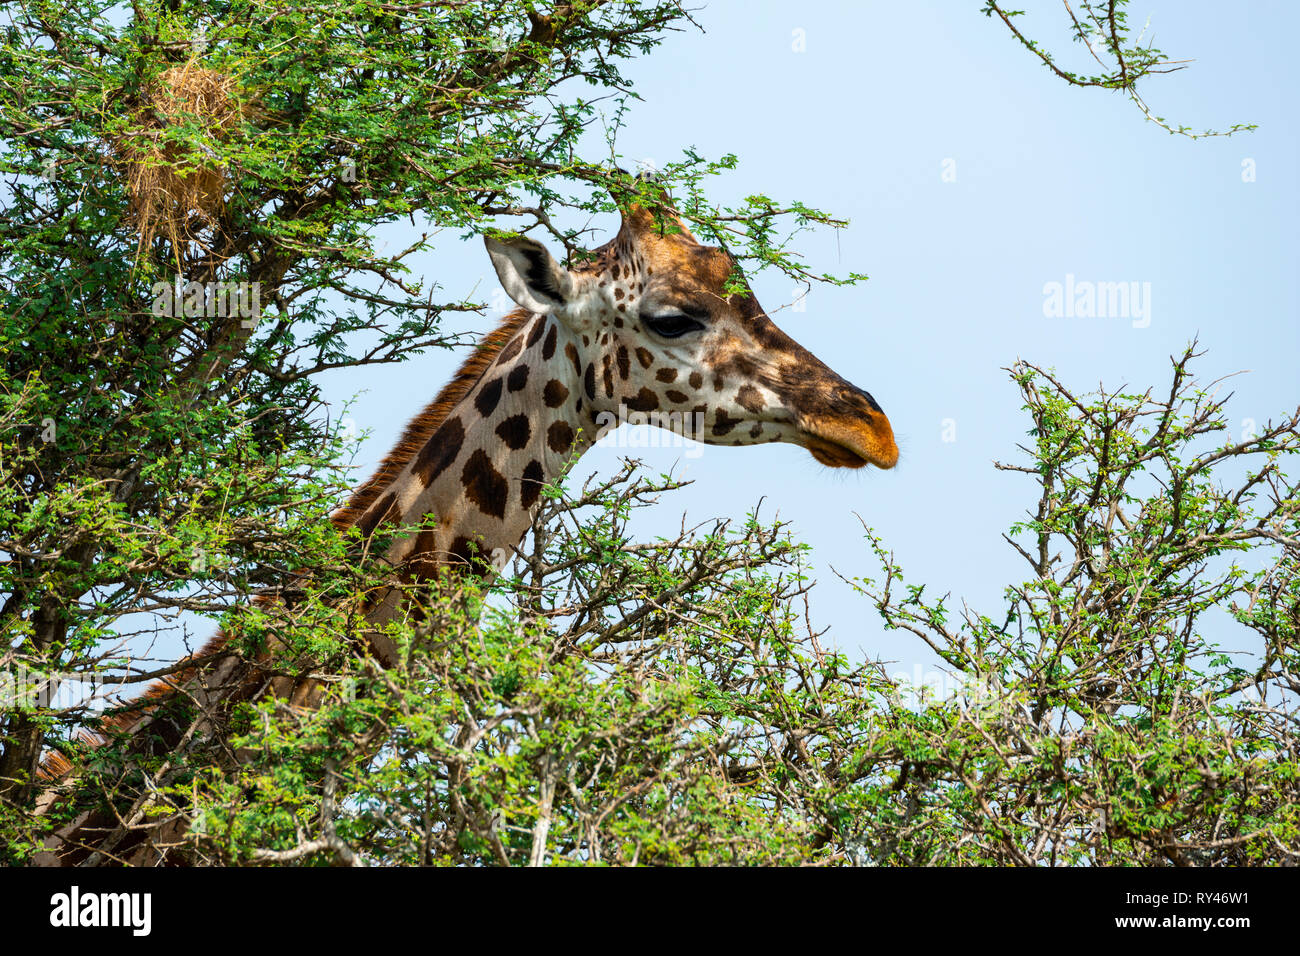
<point>852,395</point>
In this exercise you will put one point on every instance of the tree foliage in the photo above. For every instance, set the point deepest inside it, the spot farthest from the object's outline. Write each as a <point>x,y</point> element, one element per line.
<point>1102,28</point>
<point>1134,702</point>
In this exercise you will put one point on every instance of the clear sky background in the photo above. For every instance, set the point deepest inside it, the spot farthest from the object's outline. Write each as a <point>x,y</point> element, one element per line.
<point>1050,181</point>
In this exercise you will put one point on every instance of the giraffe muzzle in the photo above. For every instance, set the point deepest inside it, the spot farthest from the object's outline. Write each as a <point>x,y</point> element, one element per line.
<point>852,432</point>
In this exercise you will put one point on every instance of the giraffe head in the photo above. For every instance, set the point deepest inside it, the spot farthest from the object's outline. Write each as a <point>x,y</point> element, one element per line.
<point>655,334</point>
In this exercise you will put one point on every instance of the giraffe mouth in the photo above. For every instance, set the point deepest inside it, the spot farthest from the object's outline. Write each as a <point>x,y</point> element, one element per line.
<point>852,444</point>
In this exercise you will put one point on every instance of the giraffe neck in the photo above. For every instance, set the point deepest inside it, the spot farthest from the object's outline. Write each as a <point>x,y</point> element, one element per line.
<point>479,474</point>
<point>476,482</point>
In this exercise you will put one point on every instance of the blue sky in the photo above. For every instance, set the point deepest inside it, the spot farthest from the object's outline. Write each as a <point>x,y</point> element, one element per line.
<point>1050,181</point>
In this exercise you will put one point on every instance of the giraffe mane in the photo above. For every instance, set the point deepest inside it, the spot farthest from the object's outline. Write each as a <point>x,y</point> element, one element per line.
<point>421,428</point>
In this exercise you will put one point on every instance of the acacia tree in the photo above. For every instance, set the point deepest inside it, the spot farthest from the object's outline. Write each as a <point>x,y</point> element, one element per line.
<point>1134,701</point>
<point>193,191</point>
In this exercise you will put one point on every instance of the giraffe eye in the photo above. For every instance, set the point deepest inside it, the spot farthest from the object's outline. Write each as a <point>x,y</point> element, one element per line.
<point>672,325</point>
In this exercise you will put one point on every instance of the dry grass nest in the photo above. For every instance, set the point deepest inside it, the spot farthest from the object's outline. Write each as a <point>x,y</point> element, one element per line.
<point>178,190</point>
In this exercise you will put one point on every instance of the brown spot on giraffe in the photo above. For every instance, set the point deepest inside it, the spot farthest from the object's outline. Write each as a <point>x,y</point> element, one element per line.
<point>513,348</point>
<point>555,393</point>
<point>382,511</point>
<point>515,431</point>
<point>439,451</point>
<point>488,396</point>
<point>645,401</point>
<point>425,559</point>
<point>559,437</point>
<point>485,487</point>
<point>472,552</point>
<point>530,485</point>
<point>518,378</point>
<point>723,423</point>
<point>750,399</point>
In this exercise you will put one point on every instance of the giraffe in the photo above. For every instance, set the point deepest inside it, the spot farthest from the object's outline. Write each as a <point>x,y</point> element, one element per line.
<point>642,327</point>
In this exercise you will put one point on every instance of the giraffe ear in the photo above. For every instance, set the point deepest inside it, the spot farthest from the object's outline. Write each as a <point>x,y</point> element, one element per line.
<point>530,275</point>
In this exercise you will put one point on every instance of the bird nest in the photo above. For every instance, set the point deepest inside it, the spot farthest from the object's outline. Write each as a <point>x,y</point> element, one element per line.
<point>176,181</point>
